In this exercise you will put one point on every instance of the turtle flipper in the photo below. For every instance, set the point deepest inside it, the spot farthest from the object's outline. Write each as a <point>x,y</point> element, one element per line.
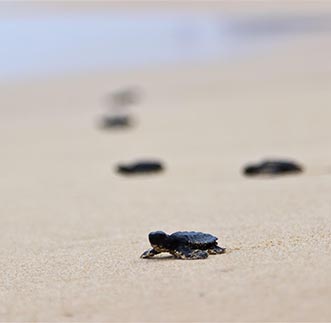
<point>149,253</point>
<point>188,253</point>
<point>216,250</point>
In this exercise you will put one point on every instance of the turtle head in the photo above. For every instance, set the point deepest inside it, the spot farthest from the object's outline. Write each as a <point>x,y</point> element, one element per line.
<point>158,239</point>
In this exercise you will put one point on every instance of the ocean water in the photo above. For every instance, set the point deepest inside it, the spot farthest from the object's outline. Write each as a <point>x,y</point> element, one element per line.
<point>50,43</point>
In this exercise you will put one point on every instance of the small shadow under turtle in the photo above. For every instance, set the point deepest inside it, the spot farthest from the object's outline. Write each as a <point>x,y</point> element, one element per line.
<point>162,258</point>
<point>170,257</point>
<point>326,171</point>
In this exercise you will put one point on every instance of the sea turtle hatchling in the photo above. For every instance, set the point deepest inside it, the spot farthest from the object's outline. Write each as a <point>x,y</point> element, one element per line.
<point>272,167</point>
<point>115,122</point>
<point>183,245</point>
<point>140,167</point>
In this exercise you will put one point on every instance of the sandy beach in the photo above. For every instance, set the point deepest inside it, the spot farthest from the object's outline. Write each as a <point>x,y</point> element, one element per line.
<point>72,230</point>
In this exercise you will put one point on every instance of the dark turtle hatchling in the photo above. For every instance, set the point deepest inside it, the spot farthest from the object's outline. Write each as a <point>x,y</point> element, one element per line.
<point>272,167</point>
<point>124,97</point>
<point>116,122</point>
<point>141,167</point>
<point>183,244</point>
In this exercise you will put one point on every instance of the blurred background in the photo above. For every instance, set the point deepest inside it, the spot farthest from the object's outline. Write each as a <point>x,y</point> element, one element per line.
<point>229,69</point>
<point>53,38</point>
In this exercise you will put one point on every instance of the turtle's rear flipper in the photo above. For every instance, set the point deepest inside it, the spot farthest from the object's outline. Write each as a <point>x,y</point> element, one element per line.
<point>149,253</point>
<point>187,253</point>
<point>216,250</point>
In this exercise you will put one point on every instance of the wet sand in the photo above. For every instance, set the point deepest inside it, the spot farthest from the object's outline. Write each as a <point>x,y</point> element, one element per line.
<point>72,230</point>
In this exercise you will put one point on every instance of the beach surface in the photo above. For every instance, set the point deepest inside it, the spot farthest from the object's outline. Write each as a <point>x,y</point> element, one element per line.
<point>72,230</point>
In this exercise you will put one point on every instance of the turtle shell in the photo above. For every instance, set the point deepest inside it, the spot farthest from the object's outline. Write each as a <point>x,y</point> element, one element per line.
<point>140,167</point>
<point>198,240</point>
<point>272,167</point>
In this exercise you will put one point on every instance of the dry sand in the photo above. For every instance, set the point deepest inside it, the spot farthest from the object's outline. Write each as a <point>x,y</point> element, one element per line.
<point>71,231</point>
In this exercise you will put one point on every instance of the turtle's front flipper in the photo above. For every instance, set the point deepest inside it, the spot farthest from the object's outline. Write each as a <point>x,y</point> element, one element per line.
<point>187,253</point>
<point>216,250</point>
<point>149,253</point>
